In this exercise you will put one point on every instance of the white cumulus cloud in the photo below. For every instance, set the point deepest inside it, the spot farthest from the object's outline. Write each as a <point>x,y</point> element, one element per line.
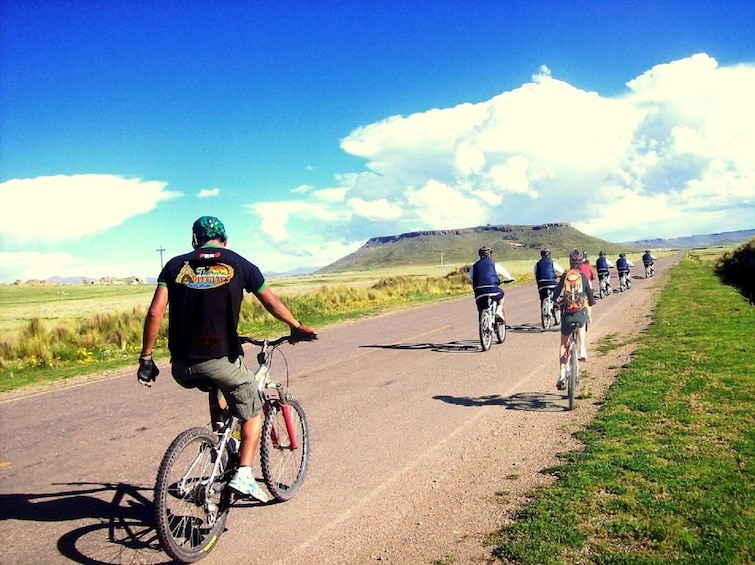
<point>54,208</point>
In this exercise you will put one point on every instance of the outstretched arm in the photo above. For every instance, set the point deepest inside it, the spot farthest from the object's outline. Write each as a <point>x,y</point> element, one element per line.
<point>154,319</point>
<point>275,306</point>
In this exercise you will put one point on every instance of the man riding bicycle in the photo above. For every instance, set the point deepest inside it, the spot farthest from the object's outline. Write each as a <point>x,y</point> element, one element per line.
<point>205,289</point>
<point>623,264</point>
<point>546,272</point>
<point>486,275</point>
<point>602,264</point>
<point>578,297</point>
<point>648,260</point>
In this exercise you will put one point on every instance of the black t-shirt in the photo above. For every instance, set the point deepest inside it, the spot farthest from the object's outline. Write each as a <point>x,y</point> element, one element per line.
<point>205,290</point>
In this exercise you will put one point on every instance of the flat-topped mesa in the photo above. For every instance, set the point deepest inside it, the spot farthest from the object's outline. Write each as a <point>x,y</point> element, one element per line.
<point>377,241</point>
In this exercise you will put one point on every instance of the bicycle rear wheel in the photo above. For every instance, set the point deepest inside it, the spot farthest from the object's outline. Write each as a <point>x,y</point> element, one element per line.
<point>545,313</point>
<point>284,452</point>
<point>190,514</point>
<point>500,331</point>
<point>571,384</point>
<point>486,329</point>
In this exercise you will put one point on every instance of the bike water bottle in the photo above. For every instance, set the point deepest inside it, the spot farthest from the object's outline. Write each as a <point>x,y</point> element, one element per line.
<point>234,442</point>
<point>260,375</point>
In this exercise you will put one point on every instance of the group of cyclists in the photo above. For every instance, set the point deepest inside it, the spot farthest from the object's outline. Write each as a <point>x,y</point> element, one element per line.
<point>555,281</point>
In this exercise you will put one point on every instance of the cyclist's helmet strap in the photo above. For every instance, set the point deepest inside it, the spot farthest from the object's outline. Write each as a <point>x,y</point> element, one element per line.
<point>206,229</point>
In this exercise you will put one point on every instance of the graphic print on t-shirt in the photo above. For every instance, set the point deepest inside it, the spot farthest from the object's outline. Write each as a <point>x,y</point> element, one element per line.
<point>204,277</point>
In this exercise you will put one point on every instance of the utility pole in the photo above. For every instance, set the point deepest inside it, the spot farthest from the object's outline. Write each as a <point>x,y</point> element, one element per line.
<point>160,251</point>
<point>441,264</point>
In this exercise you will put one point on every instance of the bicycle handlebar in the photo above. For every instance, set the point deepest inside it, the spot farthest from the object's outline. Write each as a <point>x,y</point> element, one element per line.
<point>262,342</point>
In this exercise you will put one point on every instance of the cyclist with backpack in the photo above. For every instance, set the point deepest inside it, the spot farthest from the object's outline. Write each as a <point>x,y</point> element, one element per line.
<point>576,296</point>
<point>546,272</point>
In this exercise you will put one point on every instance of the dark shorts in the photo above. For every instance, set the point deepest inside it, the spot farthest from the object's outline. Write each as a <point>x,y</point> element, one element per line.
<point>232,377</point>
<point>578,318</point>
<point>496,294</point>
<point>545,289</point>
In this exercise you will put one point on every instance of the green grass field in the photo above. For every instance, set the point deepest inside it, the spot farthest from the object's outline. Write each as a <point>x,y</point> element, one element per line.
<point>668,470</point>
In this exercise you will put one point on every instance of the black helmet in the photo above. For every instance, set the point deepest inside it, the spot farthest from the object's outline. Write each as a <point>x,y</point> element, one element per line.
<point>206,229</point>
<point>545,252</point>
<point>575,258</point>
<point>601,253</point>
<point>622,254</point>
<point>485,252</point>
<point>647,251</point>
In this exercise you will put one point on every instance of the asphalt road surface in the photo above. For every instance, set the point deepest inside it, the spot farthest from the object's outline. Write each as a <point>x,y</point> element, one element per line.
<point>421,443</point>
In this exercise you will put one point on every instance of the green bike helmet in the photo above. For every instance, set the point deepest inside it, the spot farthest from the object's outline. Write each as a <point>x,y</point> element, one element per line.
<point>206,229</point>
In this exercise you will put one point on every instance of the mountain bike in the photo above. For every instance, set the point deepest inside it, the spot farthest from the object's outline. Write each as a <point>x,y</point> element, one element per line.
<point>549,313</point>
<point>649,270</point>
<point>604,286</point>
<point>192,498</point>
<point>488,323</point>
<point>624,282</point>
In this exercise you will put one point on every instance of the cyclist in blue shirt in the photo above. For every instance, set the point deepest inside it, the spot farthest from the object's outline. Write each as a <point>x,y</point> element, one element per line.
<point>546,272</point>
<point>601,267</point>
<point>486,275</point>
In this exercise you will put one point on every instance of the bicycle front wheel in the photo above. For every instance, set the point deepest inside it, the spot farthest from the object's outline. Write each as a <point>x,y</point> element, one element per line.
<point>190,510</point>
<point>486,329</point>
<point>573,379</point>
<point>545,313</point>
<point>284,452</point>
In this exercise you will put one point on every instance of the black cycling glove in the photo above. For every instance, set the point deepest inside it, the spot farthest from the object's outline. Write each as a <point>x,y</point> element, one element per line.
<point>302,333</point>
<point>147,372</point>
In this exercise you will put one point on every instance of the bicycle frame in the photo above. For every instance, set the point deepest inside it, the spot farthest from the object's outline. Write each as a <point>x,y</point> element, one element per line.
<point>192,498</point>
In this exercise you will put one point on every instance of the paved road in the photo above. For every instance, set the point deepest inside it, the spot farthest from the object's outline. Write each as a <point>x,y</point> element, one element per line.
<point>401,406</point>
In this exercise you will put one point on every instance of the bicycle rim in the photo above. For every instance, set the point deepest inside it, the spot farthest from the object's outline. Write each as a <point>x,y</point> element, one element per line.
<point>545,313</point>
<point>486,330</point>
<point>284,456</point>
<point>571,384</point>
<point>500,331</point>
<point>189,516</point>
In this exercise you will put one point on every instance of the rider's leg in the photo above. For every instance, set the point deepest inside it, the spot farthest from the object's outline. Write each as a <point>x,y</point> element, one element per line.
<point>251,430</point>
<point>561,382</point>
<point>581,336</point>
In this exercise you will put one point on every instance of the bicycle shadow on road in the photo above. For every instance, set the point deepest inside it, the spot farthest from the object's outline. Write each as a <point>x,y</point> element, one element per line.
<point>466,346</point>
<point>527,401</point>
<point>529,328</point>
<point>123,533</point>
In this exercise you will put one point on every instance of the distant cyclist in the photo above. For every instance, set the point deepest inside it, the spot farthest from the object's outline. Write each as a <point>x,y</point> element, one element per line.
<point>575,296</point>
<point>546,272</point>
<point>587,269</point>
<point>486,276</point>
<point>622,265</point>
<point>648,260</point>
<point>601,267</point>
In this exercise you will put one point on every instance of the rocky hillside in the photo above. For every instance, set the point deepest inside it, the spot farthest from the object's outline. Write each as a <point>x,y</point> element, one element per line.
<point>459,246</point>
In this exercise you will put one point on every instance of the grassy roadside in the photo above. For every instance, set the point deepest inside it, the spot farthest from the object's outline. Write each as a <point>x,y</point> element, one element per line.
<point>43,353</point>
<point>667,472</point>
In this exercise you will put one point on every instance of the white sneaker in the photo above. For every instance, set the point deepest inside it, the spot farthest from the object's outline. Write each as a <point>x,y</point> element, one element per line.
<point>244,483</point>
<point>561,382</point>
<point>582,354</point>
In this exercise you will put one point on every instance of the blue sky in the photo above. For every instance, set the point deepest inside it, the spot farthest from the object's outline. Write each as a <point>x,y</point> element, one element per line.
<point>309,127</point>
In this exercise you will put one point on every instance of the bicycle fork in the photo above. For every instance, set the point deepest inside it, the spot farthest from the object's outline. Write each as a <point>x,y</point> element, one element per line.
<point>285,408</point>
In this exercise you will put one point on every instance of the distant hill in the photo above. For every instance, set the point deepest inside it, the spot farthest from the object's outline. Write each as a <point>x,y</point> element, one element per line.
<point>459,246</point>
<point>701,240</point>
